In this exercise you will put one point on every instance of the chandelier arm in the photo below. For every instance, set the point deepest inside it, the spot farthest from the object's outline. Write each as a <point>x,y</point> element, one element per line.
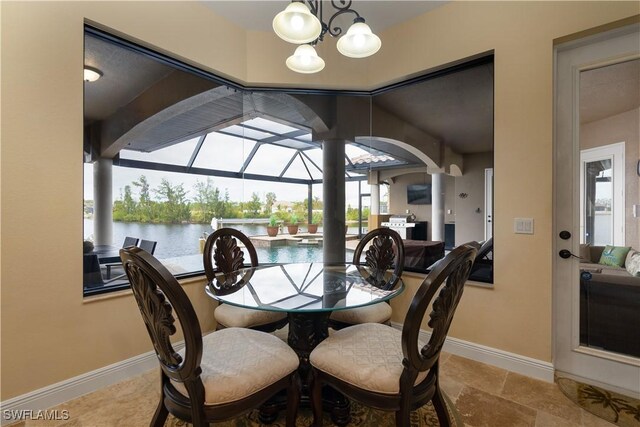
<point>341,6</point>
<point>336,31</point>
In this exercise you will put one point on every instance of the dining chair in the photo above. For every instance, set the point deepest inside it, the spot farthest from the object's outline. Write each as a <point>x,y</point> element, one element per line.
<point>128,241</point>
<point>222,254</point>
<point>385,252</point>
<point>216,377</point>
<point>388,368</point>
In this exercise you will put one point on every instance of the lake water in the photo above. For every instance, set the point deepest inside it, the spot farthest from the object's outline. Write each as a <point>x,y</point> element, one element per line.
<point>178,240</point>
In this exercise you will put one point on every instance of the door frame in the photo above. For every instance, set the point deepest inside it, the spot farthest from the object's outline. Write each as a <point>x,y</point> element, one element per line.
<point>613,371</point>
<point>615,153</point>
<point>488,203</point>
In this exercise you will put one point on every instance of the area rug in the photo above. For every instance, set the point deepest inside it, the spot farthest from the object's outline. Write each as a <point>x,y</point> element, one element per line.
<point>360,416</point>
<point>613,407</point>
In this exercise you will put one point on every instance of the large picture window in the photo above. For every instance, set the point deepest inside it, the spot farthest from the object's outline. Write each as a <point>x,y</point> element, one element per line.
<point>172,153</point>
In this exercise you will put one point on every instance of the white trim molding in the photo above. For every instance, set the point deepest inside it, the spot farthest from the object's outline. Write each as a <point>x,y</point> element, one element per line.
<point>55,394</point>
<point>63,391</point>
<point>519,364</point>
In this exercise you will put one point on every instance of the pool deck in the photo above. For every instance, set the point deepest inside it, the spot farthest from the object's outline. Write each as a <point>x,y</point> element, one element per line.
<point>187,263</point>
<point>296,239</point>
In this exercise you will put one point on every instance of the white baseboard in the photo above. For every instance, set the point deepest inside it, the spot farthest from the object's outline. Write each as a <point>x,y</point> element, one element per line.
<point>55,394</point>
<point>492,356</point>
<point>72,388</point>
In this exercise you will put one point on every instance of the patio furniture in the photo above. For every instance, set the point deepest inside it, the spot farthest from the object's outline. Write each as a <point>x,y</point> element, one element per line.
<point>482,269</point>
<point>91,274</point>
<point>421,254</point>
<point>385,252</point>
<point>386,368</point>
<point>216,377</point>
<point>128,241</point>
<point>223,255</point>
<point>148,245</point>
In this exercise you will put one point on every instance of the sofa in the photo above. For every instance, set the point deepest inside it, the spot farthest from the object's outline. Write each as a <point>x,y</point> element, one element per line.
<point>609,304</point>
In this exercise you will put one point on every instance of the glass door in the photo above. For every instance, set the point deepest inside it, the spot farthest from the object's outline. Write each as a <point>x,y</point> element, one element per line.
<point>596,294</point>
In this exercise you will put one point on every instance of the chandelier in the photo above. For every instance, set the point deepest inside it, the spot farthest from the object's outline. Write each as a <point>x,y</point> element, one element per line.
<point>302,23</point>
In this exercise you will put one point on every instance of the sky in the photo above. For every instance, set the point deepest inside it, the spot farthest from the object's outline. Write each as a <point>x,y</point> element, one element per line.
<point>227,153</point>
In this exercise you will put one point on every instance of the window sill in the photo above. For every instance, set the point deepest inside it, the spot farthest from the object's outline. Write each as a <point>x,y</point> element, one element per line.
<point>107,295</point>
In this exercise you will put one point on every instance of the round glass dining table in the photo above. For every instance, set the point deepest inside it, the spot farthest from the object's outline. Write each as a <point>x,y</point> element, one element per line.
<point>307,292</point>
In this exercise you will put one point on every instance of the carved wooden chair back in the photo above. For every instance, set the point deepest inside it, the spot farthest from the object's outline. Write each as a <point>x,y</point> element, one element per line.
<point>455,269</point>
<point>159,296</point>
<point>381,256</point>
<point>222,253</point>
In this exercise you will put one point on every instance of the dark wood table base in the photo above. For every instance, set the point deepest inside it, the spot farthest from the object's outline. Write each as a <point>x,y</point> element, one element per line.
<point>306,331</point>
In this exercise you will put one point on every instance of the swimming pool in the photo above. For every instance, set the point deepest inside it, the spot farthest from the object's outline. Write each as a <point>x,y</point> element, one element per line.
<point>275,254</point>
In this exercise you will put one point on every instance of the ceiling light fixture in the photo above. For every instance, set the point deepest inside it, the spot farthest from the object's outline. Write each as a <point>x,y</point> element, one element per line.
<point>91,74</point>
<point>305,60</point>
<point>302,22</point>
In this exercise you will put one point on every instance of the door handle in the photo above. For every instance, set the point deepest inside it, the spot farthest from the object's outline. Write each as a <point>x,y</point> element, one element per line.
<point>565,235</point>
<point>565,253</point>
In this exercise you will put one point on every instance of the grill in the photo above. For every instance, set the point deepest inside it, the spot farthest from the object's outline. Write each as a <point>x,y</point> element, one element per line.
<point>400,224</point>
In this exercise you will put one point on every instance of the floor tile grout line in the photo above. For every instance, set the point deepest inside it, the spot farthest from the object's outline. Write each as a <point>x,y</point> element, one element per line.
<point>504,382</point>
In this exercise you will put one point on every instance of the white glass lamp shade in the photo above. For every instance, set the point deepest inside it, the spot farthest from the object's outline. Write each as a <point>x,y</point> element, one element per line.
<point>359,42</point>
<point>91,74</point>
<point>296,24</point>
<point>305,60</point>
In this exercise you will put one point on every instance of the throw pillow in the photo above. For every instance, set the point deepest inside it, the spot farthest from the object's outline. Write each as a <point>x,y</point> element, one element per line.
<point>632,263</point>
<point>585,252</point>
<point>614,256</point>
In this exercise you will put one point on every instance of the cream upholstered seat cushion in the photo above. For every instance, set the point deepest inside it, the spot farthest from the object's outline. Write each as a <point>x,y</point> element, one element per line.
<point>368,356</point>
<point>238,362</point>
<point>374,313</point>
<point>239,317</point>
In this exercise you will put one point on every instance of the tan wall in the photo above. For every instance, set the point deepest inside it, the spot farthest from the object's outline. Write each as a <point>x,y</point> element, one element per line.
<point>470,224</point>
<point>469,221</point>
<point>515,315</point>
<point>398,196</point>
<point>49,334</point>
<point>624,127</point>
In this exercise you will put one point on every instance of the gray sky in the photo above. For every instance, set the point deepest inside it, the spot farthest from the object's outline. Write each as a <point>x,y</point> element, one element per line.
<point>228,153</point>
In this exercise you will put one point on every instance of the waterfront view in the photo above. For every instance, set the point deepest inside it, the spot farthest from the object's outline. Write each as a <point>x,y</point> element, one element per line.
<point>180,240</point>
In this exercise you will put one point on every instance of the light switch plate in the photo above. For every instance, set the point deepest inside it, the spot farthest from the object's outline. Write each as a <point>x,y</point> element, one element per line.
<point>523,225</point>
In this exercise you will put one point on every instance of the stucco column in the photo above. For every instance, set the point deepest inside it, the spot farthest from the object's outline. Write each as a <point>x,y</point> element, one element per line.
<point>437,207</point>
<point>102,202</point>
<point>310,203</point>
<point>333,211</point>
<point>375,199</point>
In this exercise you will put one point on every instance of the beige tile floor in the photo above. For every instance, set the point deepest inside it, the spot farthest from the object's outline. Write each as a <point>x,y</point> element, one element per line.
<point>484,396</point>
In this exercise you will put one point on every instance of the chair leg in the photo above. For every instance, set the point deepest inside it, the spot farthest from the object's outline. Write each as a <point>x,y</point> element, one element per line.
<point>293,399</point>
<point>160,416</point>
<point>315,387</point>
<point>441,408</point>
<point>196,398</point>
<point>403,415</point>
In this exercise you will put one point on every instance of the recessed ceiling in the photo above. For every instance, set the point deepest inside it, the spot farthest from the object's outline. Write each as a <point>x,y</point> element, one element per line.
<point>257,15</point>
<point>125,75</point>
<point>608,91</point>
<point>456,108</point>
